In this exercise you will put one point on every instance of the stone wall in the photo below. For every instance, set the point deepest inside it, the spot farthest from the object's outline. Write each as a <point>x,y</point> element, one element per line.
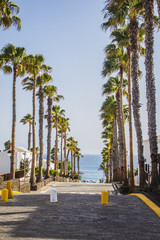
<point>15,184</point>
<point>25,187</point>
<point>37,186</point>
<point>48,180</point>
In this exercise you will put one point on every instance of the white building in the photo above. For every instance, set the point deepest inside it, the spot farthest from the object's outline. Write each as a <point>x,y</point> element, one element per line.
<point>147,150</point>
<point>147,158</point>
<point>4,163</point>
<point>45,165</point>
<point>20,155</point>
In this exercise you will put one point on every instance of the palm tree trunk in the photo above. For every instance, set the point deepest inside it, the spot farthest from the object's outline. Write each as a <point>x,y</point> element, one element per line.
<point>12,170</point>
<point>71,163</point>
<point>132,175</point>
<point>29,137</point>
<point>150,85</point>
<point>107,172</point>
<point>56,147</point>
<point>74,163</point>
<point>115,156</point>
<point>61,171</point>
<point>41,115</point>
<point>49,135</point>
<point>33,180</point>
<point>135,96</point>
<point>65,157</point>
<point>111,163</point>
<point>78,160</point>
<point>120,136</point>
<point>123,129</point>
<point>68,154</point>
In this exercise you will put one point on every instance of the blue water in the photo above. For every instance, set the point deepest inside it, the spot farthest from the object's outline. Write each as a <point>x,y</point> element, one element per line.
<point>89,165</point>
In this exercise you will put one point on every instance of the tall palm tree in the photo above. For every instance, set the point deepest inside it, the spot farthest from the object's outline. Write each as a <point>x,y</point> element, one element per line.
<point>116,59</point>
<point>150,85</point>
<point>34,67</point>
<point>109,117</point>
<point>7,16</point>
<point>116,12</point>
<point>63,127</point>
<point>113,85</point>
<point>41,81</point>
<point>28,119</point>
<point>71,145</point>
<point>13,62</point>
<point>56,113</point>
<point>78,155</point>
<point>122,37</point>
<point>50,91</point>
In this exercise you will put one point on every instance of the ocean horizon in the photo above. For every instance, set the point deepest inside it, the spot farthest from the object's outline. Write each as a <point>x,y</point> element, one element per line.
<point>90,164</point>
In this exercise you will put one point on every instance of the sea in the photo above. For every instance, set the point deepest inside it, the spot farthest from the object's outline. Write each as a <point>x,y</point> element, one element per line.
<point>90,167</point>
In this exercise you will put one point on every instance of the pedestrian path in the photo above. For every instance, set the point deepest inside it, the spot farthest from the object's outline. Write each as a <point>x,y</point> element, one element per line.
<point>77,216</point>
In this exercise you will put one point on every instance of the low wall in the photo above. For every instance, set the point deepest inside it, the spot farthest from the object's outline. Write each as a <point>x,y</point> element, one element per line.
<point>48,180</point>
<point>37,186</point>
<point>63,179</point>
<point>15,184</point>
<point>25,187</point>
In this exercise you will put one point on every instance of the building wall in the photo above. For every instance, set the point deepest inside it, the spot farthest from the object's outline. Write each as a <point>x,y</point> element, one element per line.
<point>147,150</point>
<point>4,163</point>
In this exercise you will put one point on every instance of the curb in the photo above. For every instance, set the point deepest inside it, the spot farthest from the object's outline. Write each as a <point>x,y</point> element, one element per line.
<point>148,202</point>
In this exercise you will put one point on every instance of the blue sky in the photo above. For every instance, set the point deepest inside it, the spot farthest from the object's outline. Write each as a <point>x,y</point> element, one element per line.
<point>68,34</point>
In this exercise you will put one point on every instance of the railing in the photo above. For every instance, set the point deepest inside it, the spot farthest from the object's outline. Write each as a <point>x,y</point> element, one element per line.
<point>7,176</point>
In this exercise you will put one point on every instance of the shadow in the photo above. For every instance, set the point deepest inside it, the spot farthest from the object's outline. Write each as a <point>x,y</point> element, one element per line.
<point>12,213</point>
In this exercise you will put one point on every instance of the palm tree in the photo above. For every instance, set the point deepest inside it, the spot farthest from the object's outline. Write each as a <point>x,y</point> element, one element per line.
<point>122,37</point>
<point>63,127</point>
<point>116,59</point>
<point>74,152</point>
<point>150,85</point>
<point>7,17</point>
<point>78,155</point>
<point>109,117</point>
<point>116,12</point>
<point>50,91</point>
<point>28,119</point>
<point>113,85</point>
<point>41,81</point>
<point>56,113</point>
<point>71,145</point>
<point>13,62</point>
<point>34,67</point>
<point>7,145</point>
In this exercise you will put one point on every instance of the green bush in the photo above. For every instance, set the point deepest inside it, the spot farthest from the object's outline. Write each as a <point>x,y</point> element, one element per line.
<point>43,171</point>
<point>54,173</point>
<point>36,170</point>
<point>24,164</point>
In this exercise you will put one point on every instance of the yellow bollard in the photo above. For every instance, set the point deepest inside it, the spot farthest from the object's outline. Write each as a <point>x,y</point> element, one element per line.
<point>9,187</point>
<point>104,197</point>
<point>4,196</point>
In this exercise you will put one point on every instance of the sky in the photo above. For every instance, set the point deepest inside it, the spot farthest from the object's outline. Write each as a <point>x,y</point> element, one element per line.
<point>68,34</point>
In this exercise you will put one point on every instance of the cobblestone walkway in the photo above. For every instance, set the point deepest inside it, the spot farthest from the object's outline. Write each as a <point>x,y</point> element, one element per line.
<point>77,216</point>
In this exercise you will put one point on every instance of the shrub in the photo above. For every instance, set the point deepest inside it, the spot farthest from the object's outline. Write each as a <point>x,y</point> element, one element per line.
<point>43,171</point>
<point>24,164</point>
<point>54,173</point>
<point>36,170</point>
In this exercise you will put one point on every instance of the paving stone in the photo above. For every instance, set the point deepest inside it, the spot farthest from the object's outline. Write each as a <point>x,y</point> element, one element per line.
<point>77,216</point>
